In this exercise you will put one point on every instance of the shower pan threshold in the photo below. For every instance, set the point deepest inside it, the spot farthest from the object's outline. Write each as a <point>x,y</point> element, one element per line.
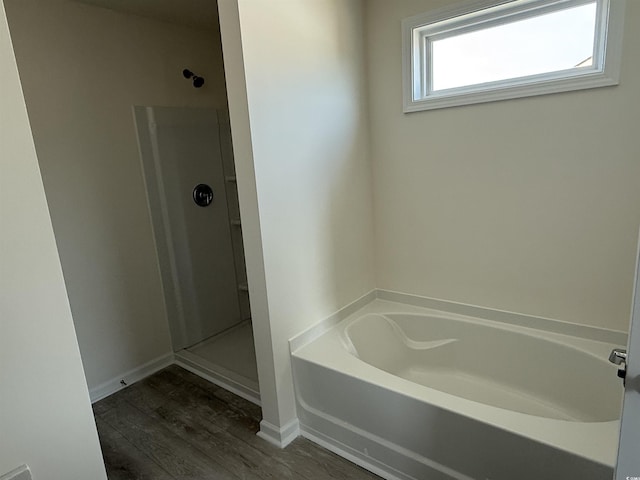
<point>227,360</point>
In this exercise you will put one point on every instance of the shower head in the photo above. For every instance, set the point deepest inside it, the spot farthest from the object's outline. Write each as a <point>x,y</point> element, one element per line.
<point>197,81</point>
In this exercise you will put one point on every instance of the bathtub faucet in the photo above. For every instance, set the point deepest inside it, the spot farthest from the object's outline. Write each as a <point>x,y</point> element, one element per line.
<point>618,356</point>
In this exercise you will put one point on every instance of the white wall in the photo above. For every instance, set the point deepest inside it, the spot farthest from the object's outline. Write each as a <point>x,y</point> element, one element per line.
<point>628,460</point>
<point>528,205</point>
<point>45,415</point>
<point>305,136</point>
<point>82,69</point>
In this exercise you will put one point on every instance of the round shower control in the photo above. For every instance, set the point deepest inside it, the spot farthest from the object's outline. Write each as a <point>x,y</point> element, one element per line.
<point>203,195</point>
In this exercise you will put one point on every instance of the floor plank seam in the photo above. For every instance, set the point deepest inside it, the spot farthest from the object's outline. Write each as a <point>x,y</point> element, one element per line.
<point>171,433</point>
<point>181,427</point>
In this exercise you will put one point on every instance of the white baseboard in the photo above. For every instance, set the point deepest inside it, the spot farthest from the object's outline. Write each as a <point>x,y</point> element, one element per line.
<point>280,437</point>
<point>112,386</point>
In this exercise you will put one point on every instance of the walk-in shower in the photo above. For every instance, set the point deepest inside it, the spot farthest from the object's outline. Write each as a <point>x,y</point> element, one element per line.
<point>189,173</point>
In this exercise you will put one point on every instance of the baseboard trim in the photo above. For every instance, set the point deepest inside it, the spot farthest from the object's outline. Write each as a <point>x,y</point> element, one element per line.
<point>218,376</point>
<point>316,330</point>
<point>115,384</point>
<point>280,437</point>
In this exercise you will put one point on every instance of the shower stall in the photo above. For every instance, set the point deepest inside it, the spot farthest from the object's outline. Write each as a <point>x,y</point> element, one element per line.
<point>189,173</point>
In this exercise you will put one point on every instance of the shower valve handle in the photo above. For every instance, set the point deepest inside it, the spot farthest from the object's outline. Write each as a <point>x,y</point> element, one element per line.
<point>202,195</point>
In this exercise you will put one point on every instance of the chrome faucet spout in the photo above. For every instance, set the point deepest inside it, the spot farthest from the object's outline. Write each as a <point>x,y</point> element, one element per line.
<point>618,356</point>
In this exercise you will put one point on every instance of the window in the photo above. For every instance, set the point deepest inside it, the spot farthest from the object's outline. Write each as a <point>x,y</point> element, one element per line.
<point>491,50</point>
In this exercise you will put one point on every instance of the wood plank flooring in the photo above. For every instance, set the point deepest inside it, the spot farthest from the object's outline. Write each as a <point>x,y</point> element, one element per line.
<point>175,425</point>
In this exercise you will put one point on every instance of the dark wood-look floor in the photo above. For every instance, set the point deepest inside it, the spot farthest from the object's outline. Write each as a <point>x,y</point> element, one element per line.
<point>175,425</point>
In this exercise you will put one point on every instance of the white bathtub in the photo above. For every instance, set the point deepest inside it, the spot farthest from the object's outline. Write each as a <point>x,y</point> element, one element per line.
<point>413,393</point>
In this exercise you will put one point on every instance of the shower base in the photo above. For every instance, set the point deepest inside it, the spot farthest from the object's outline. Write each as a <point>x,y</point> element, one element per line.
<point>227,359</point>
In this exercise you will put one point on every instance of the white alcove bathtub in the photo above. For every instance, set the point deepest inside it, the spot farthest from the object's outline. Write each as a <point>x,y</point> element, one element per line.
<point>414,393</point>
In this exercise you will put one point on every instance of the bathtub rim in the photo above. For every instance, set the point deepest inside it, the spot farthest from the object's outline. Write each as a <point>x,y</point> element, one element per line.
<point>500,418</point>
<point>579,344</point>
<point>404,300</point>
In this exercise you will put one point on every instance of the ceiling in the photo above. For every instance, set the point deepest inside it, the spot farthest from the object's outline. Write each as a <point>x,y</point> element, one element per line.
<point>195,13</point>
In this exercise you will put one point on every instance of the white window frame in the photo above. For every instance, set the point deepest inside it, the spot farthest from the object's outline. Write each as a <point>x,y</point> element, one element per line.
<point>418,31</point>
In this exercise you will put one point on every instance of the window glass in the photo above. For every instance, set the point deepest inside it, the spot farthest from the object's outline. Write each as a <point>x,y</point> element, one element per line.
<point>547,43</point>
<point>488,50</point>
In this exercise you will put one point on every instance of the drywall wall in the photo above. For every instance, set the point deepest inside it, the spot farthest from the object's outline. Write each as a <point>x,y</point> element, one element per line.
<point>83,68</point>
<point>248,203</point>
<point>45,414</point>
<point>628,459</point>
<point>303,114</point>
<point>528,205</point>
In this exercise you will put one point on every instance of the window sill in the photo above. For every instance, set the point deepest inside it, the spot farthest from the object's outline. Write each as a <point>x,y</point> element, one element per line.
<point>506,92</point>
